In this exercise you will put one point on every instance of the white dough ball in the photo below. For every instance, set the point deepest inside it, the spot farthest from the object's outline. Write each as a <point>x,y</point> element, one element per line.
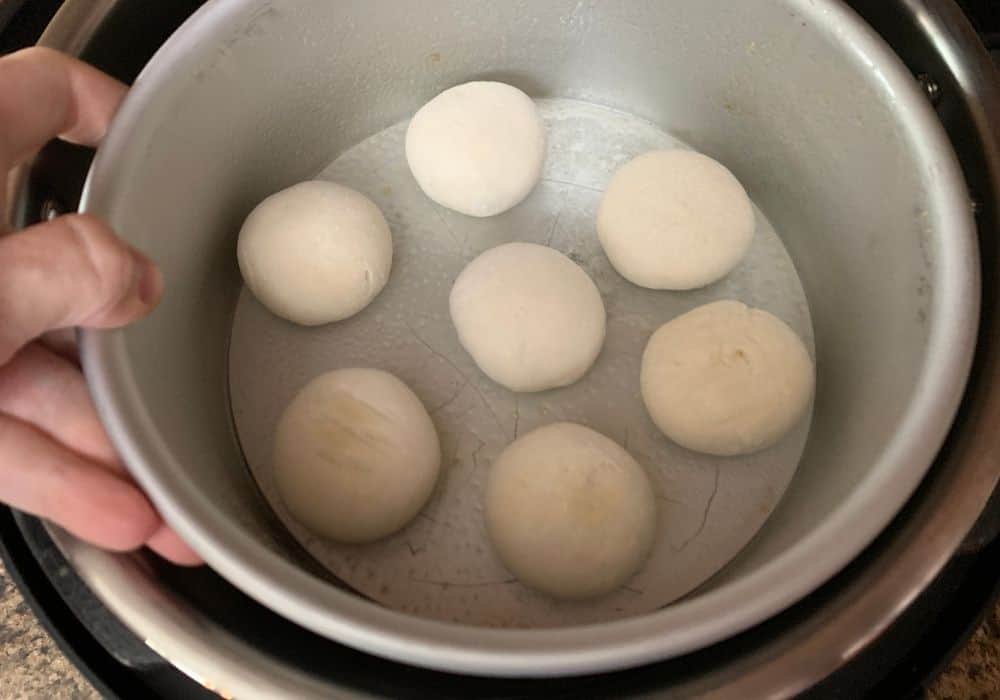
<point>675,220</point>
<point>355,455</point>
<point>570,513</point>
<point>477,148</point>
<point>725,379</point>
<point>530,317</point>
<point>316,252</point>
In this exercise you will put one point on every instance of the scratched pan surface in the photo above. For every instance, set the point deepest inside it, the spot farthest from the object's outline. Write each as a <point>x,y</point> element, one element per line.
<point>442,566</point>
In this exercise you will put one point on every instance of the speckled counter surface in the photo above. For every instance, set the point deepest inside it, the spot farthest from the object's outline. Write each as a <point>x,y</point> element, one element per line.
<point>31,665</point>
<point>975,672</point>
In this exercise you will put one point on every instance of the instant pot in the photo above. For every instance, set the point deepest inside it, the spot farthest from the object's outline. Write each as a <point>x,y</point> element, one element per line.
<point>882,623</point>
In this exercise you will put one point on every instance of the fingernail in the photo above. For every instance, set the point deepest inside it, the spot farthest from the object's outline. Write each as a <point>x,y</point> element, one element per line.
<point>150,279</point>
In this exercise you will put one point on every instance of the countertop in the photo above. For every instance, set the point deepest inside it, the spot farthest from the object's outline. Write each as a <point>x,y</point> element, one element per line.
<point>31,666</point>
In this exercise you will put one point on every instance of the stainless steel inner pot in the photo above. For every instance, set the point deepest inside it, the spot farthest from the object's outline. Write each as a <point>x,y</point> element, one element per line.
<point>800,99</point>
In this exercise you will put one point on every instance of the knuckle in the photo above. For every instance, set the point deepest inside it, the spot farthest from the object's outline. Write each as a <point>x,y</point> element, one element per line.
<point>105,260</point>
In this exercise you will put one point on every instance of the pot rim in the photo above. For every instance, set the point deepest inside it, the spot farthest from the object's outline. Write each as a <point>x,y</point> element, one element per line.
<point>681,627</point>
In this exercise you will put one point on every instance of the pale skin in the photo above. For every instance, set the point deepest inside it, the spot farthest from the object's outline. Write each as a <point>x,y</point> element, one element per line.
<point>56,461</point>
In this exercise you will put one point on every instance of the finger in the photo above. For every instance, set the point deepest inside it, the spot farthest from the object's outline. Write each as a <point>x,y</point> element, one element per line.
<point>171,547</point>
<point>41,388</point>
<point>44,94</point>
<point>72,271</point>
<point>40,476</point>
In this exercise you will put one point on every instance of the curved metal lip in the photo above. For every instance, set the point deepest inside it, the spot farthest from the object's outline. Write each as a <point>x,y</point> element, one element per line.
<point>74,24</point>
<point>193,643</point>
<point>682,627</point>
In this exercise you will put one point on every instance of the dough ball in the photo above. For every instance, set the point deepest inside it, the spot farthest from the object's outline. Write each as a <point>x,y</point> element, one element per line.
<point>477,148</point>
<point>530,317</point>
<point>315,252</point>
<point>726,379</point>
<point>355,455</point>
<point>675,220</point>
<point>570,513</point>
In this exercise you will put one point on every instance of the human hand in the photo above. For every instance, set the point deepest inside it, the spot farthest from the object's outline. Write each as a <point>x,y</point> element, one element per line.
<point>55,459</point>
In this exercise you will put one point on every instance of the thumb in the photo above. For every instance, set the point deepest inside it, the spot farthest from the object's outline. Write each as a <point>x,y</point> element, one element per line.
<point>72,271</point>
